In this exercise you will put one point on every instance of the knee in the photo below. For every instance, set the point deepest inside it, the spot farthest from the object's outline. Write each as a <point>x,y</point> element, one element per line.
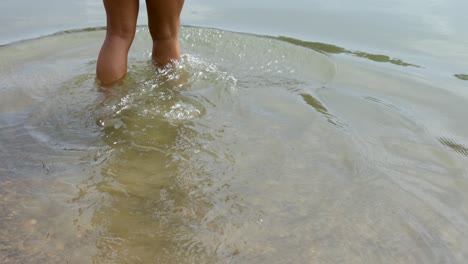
<point>164,31</point>
<point>125,33</point>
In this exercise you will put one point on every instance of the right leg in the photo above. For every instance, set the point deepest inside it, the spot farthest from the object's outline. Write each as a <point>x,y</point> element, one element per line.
<point>164,22</point>
<point>121,25</point>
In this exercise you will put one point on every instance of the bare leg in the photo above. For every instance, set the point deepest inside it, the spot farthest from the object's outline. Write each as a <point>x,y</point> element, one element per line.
<point>164,22</point>
<point>121,25</point>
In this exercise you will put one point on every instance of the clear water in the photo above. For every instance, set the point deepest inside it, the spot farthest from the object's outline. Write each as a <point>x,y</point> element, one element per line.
<point>253,149</point>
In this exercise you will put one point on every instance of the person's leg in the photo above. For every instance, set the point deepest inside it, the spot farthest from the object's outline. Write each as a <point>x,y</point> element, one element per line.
<point>121,25</point>
<point>164,22</point>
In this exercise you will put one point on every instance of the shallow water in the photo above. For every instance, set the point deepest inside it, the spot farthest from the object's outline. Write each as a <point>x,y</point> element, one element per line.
<point>253,149</point>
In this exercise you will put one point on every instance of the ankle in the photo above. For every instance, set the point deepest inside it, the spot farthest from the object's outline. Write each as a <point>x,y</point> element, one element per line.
<point>165,51</point>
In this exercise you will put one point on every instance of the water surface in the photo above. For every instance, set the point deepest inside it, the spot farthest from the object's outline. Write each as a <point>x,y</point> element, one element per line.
<point>253,149</point>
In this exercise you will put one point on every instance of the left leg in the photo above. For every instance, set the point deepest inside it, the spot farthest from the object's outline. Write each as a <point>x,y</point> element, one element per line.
<point>121,25</point>
<point>164,22</point>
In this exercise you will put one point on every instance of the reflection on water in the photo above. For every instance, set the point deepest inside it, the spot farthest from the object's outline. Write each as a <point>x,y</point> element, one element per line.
<point>457,147</point>
<point>237,154</point>
<point>462,76</point>
<point>329,48</point>
<point>318,106</point>
<point>155,182</point>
